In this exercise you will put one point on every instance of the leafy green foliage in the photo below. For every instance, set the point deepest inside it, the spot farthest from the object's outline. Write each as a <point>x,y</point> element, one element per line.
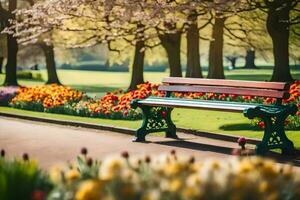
<point>20,179</point>
<point>87,167</point>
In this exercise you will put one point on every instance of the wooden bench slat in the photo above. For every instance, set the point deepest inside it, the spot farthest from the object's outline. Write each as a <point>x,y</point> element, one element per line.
<point>197,105</point>
<point>225,90</point>
<point>234,83</point>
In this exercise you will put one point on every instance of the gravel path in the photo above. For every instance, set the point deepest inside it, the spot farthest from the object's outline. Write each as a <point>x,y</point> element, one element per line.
<point>53,144</point>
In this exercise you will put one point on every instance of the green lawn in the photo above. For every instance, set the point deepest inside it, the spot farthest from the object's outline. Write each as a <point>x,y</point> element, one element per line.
<point>93,82</point>
<point>97,83</point>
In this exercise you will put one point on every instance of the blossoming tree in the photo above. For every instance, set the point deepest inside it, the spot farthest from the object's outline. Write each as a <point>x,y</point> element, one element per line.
<point>12,45</point>
<point>8,20</point>
<point>142,24</point>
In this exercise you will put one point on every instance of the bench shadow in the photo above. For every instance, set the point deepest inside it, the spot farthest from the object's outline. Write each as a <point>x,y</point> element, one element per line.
<point>183,143</point>
<point>245,126</point>
<point>238,127</point>
<point>294,159</point>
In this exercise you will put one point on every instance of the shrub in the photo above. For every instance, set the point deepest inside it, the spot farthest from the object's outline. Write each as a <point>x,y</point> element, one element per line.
<point>29,75</point>
<point>24,75</point>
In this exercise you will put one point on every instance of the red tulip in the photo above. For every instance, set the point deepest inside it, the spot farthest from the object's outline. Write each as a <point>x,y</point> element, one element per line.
<point>38,195</point>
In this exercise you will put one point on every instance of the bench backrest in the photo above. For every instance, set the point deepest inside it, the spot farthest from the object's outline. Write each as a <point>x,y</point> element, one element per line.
<point>236,87</point>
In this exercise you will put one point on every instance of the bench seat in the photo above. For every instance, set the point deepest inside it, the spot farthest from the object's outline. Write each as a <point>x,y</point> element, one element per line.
<point>197,104</point>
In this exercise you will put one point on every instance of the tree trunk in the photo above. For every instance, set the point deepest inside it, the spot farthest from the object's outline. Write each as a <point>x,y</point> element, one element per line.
<point>250,59</point>
<point>107,64</point>
<point>11,65</point>
<point>216,68</point>
<point>193,53</point>
<point>137,76</point>
<point>233,63</point>
<point>12,51</point>
<point>278,28</point>
<point>171,43</point>
<point>1,64</point>
<point>50,64</point>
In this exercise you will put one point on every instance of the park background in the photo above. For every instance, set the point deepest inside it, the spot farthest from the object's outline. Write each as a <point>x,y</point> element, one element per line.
<point>75,47</point>
<point>232,40</point>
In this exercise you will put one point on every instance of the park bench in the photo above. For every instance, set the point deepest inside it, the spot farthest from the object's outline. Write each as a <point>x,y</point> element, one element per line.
<point>157,110</point>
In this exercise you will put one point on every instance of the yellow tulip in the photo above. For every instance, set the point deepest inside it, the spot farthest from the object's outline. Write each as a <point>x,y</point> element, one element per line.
<point>89,190</point>
<point>72,175</point>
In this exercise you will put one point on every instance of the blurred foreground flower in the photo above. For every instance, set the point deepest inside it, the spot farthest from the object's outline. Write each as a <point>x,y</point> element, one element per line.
<point>173,176</point>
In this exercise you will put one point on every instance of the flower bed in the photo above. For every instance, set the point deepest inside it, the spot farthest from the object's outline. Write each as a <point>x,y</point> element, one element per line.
<point>161,178</point>
<point>7,94</point>
<point>116,105</point>
<point>42,98</point>
<point>63,100</point>
<point>292,122</point>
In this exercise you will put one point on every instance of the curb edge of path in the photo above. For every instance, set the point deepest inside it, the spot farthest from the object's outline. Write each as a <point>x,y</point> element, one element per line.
<point>123,130</point>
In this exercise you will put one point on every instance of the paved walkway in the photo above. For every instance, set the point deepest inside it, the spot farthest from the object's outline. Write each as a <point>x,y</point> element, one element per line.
<point>53,144</point>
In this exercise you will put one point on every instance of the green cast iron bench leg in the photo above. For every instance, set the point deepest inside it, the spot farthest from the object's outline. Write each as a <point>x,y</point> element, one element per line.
<point>155,119</point>
<point>274,133</point>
